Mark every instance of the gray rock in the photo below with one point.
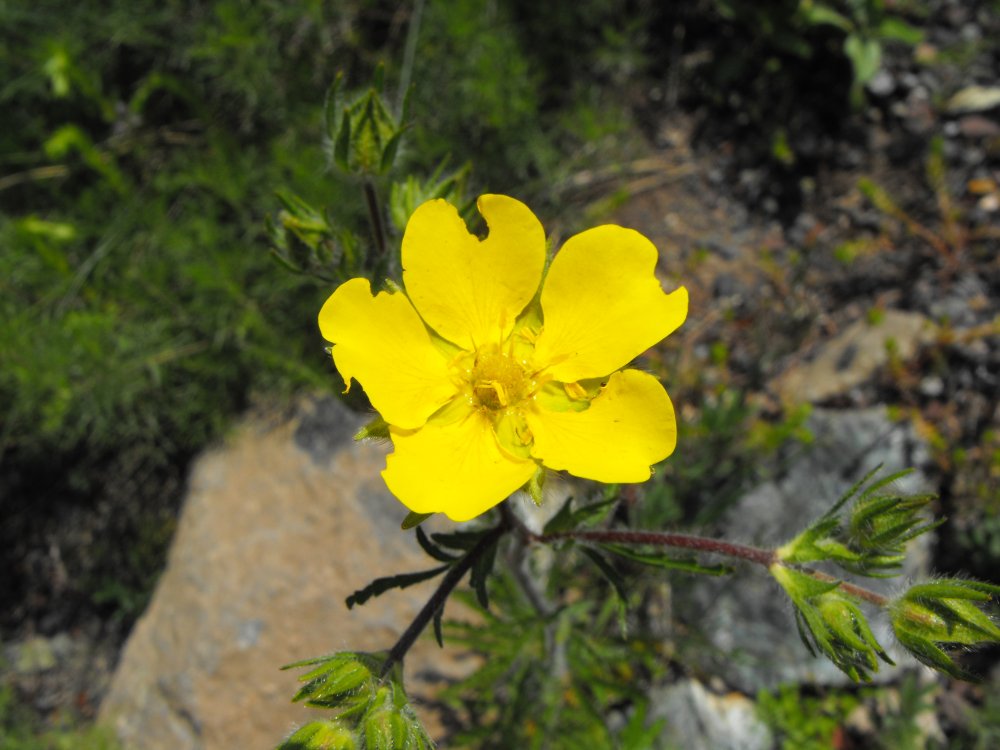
(854, 355)
(746, 621)
(697, 719)
(280, 525)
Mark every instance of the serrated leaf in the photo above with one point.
(380, 585)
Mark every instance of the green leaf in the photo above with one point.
(567, 519)
(613, 576)
(617, 583)
(481, 570)
(380, 585)
(662, 560)
(817, 14)
(460, 540)
(432, 549)
(899, 30)
(438, 636)
(330, 107)
(865, 55)
(321, 735)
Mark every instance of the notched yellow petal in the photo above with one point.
(382, 343)
(453, 467)
(627, 428)
(602, 305)
(471, 292)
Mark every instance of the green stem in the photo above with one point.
(378, 227)
(440, 596)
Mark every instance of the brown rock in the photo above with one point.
(280, 525)
(854, 356)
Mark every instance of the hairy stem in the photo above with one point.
(765, 557)
(438, 598)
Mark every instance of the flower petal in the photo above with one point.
(382, 343)
(628, 427)
(602, 305)
(470, 292)
(453, 466)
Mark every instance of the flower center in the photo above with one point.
(498, 381)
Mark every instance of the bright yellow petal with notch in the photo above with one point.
(602, 305)
(382, 343)
(454, 467)
(629, 427)
(470, 292)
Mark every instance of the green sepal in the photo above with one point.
(321, 735)
(831, 623)
(378, 429)
(870, 537)
(536, 485)
(932, 619)
(412, 520)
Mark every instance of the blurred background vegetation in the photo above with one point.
(141, 149)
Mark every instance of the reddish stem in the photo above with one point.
(765, 557)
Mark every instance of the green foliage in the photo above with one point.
(871, 538)
(550, 677)
(805, 722)
(831, 623)
(369, 710)
(799, 717)
(947, 615)
(140, 150)
(19, 730)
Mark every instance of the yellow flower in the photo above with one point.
(483, 380)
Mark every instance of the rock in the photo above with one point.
(699, 720)
(977, 126)
(746, 621)
(853, 356)
(973, 99)
(279, 526)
